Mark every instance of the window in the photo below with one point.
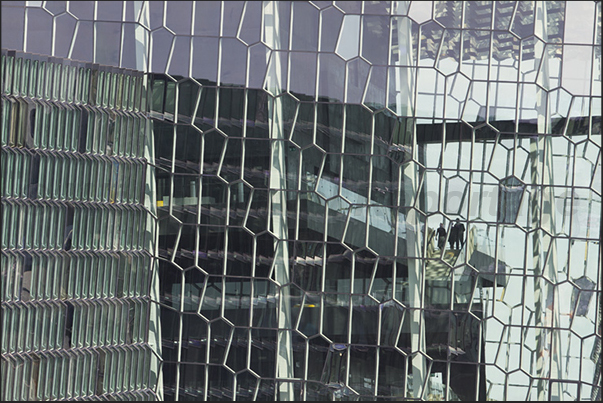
(509, 199)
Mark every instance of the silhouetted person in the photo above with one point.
(458, 232)
(452, 237)
(441, 237)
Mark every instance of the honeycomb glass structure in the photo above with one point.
(301, 200)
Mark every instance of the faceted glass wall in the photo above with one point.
(306, 153)
(76, 261)
(311, 160)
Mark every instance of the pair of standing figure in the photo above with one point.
(456, 238)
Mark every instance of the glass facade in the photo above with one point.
(309, 200)
(76, 234)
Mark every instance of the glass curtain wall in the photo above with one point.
(76, 255)
(307, 152)
(364, 200)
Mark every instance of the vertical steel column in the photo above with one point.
(404, 105)
(152, 236)
(542, 210)
(278, 201)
